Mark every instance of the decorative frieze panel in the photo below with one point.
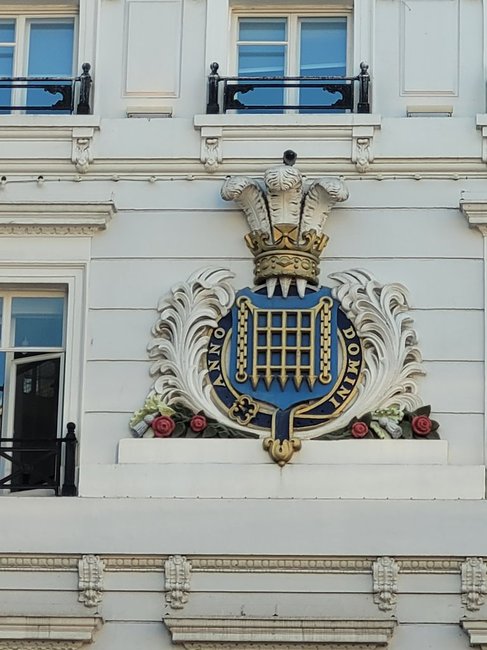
(90, 585)
(177, 571)
(474, 583)
(385, 571)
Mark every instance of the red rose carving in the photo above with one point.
(359, 429)
(198, 423)
(421, 425)
(163, 426)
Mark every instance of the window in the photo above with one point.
(32, 352)
(36, 47)
(291, 46)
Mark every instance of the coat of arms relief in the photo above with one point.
(286, 360)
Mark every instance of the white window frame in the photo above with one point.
(24, 16)
(293, 34)
(47, 279)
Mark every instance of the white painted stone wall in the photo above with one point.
(321, 522)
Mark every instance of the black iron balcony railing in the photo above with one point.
(75, 94)
(343, 88)
(40, 464)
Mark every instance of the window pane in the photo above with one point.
(7, 35)
(262, 61)
(36, 419)
(51, 49)
(323, 47)
(37, 322)
(50, 55)
(7, 31)
(323, 52)
(262, 29)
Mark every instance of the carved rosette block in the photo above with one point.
(90, 571)
(385, 571)
(177, 572)
(474, 583)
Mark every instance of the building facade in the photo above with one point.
(111, 213)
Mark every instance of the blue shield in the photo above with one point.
(284, 351)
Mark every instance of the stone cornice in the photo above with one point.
(51, 127)
(55, 218)
(477, 633)
(475, 211)
(226, 632)
(47, 632)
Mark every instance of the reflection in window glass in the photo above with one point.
(37, 322)
(262, 29)
(323, 53)
(7, 31)
(50, 55)
(7, 39)
(260, 56)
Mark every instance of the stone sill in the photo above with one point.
(314, 452)
(335, 120)
(49, 121)
(241, 469)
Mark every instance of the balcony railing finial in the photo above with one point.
(84, 90)
(363, 105)
(212, 107)
(69, 488)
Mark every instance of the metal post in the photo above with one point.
(213, 107)
(84, 91)
(69, 488)
(364, 80)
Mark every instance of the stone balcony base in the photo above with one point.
(349, 469)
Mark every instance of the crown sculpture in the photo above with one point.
(286, 223)
(286, 360)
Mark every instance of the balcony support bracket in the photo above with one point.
(211, 148)
(362, 147)
(82, 151)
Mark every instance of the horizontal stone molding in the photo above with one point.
(477, 633)
(199, 633)
(234, 564)
(216, 129)
(47, 631)
(44, 127)
(40, 645)
(55, 218)
(475, 211)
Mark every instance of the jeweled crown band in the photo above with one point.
(285, 255)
